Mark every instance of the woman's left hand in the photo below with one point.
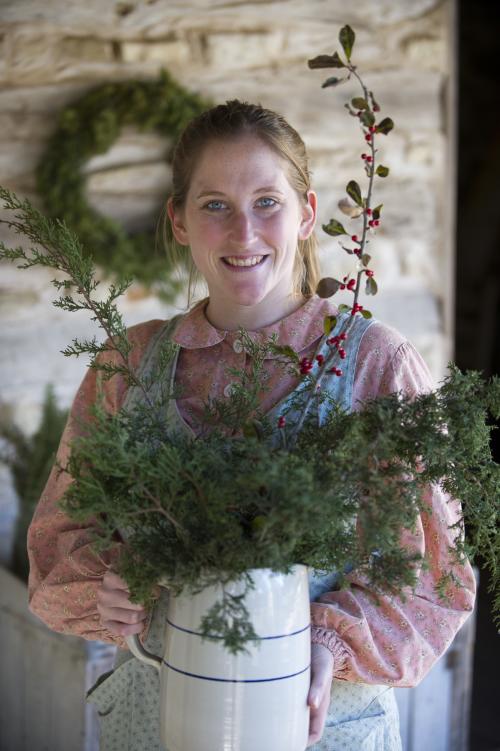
(318, 698)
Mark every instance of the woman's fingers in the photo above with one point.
(113, 581)
(317, 719)
(118, 614)
(122, 629)
(318, 698)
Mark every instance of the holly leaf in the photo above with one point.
(343, 308)
(333, 228)
(347, 208)
(285, 349)
(354, 191)
(382, 171)
(371, 286)
(359, 103)
(346, 38)
(376, 211)
(333, 81)
(366, 314)
(367, 118)
(385, 126)
(329, 324)
(365, 259)
(326, 61)
(327, 287)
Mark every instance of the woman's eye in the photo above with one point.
(269, 206)
(209, 205)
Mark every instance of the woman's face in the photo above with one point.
(241, 209)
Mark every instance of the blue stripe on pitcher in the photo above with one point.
(236, 680)
(259, 638)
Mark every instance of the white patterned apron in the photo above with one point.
(361, 717)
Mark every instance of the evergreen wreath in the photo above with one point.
(90, 126)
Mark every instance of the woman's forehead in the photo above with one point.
(244, 160)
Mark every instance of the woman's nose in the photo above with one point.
(242, 229)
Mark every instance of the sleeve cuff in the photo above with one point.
(334, 644)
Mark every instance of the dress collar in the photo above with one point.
(298, 330)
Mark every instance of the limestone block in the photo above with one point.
(131, 147)
(18, 162)
(136, 212)
(157, 19)
(40, 100)
(167, 53)
(84, 49)
(425, 52)
(3, 54)
(133, 179)
(303, 42)
(412, 99)
(31, 56)
(243, 50)
(15, 127)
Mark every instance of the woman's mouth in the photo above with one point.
(246, 263)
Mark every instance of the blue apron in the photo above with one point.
(361, 717)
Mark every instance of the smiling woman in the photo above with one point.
(243, 204)
(244, 244)
(264, 207)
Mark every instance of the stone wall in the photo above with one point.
(52, 52)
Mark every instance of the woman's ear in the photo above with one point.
(177, 222)
(308, 216)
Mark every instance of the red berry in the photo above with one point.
(368, 272)
(363, 156)
(354, 238)
(352, 284)
(342, 286)
(342, 352)
(376, 108)
(376, 222)
(281, 422)
(357, 251)
(369, 159)
(369, 212)
(372, 129)
(338, 372)
(359, 113)
(320, 359)
(371, 223)
(368, 137)
(342, 337)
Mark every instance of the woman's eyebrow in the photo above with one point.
(272, 188)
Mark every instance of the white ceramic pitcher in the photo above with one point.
(212, 700)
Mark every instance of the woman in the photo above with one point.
(242, 202)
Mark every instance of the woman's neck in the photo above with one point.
(229, 317)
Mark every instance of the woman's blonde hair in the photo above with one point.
(229, 121)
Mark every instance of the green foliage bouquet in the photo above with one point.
(249, 494)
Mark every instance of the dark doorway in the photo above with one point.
(477, 337)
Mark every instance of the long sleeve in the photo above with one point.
(397, 642)
(65, 571)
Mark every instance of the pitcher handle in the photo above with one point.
(141, 653)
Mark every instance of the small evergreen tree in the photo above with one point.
(30, 459)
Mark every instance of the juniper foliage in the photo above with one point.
(200, 511)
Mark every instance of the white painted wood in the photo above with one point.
(42, 679)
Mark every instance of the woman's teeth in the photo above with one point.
(253, 261)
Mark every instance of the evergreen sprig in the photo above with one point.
(202, 511)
